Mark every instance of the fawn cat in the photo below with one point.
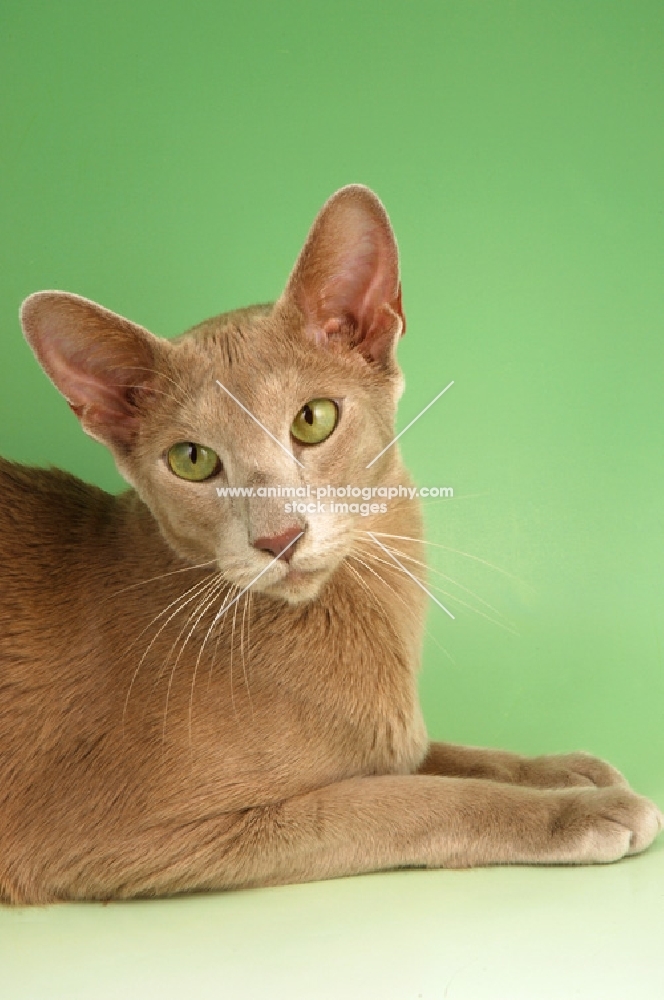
(207, 691)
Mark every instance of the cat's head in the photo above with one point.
(272, 398)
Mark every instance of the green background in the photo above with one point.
(167, 159)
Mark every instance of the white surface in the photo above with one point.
(493, 934)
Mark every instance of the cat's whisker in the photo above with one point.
(378, 604)
(372, 556)
(231, 588)
(210, 601)
(460, 552)
(220, 617)
(251, 602)
(386, 584)
(199, 597)
(242, 621)
(482, 614)
(192, 590)
(195, 671)
(233, 603)
(153, 579)
(244, 665)
(432, 569)
(230, 664)
(230, 659)
(376, 574)
(446, 593)
(408, 573)
(212, 589)
(428, 631)
(198, 588)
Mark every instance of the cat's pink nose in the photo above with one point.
(279, 545)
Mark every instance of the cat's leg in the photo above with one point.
(362, 825)
(350, 827)
(548, 771)
(390, 821)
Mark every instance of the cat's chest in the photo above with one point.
(281, 703)
(287, 709)
(339, 689)
(358, 716)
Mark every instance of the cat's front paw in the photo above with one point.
(602, 824)
(566, 770)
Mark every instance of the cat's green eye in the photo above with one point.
(193, 461)
(315, 421)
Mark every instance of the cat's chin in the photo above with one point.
(298, 585)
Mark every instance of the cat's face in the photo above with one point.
(284, 399)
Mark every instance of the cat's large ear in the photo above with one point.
(102, 364)
(346, 280)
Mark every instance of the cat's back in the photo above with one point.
(53, 529)
(66, 547)
(43, 514)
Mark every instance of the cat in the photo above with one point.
(203, 692)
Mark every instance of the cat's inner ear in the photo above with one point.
(346, 280)
(102, 363)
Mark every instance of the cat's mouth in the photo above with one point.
(297, 581)
(298, 584)
(294, 585)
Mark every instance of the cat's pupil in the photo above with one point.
(308, 415)
(193, 454)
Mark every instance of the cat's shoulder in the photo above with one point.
(23, 487)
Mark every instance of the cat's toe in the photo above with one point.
(569, 770)
(598, 771)
(605, 824)
(647, 826)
